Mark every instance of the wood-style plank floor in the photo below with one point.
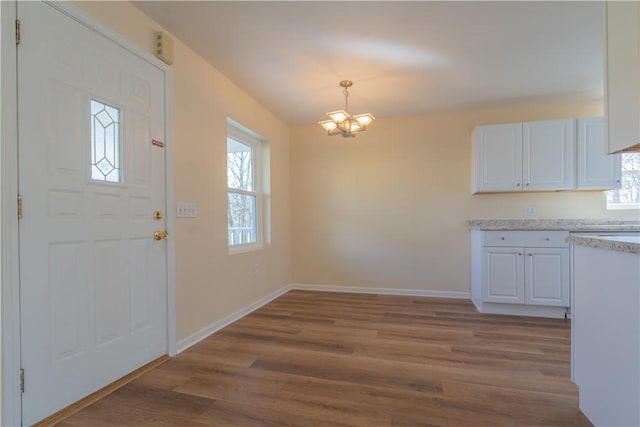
(337, 359)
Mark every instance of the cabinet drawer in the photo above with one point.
(534, 239)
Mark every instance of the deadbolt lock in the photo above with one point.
(157, 214)
(161, 235)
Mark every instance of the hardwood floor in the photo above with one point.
(337, 359)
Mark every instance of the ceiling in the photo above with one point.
(405, 58)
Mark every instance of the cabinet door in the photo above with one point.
(547, 276)
(548, 155)
(498, 158)
(597, 170)
(622, 75)
(503, 275)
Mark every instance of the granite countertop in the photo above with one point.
(622, 242)
(554, 224)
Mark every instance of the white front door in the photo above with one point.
(93, 284)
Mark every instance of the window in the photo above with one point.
(105, 142)
(244, 192)
(628, 196)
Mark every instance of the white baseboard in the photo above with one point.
(203, 333)
(382, 291)
(522, 310)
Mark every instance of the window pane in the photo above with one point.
(239, 165)
(105, 142)
(629, 192)
(242, 218)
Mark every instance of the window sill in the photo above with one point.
(250, 247)
(622, 206)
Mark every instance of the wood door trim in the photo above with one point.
(103, 392)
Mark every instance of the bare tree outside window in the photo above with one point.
(629, 193)
(242, 197)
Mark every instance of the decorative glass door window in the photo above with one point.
(106, 142)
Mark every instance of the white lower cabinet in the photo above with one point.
(503, 275)
(546, 280)
(521, 272)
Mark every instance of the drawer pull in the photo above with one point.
(502, 238)
(519, 253)
(547, 239)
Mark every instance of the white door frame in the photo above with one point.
(10, 344)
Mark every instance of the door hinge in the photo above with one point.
(17, 31)
(21, 380)
(19, 206)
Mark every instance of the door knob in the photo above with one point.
(161, 235)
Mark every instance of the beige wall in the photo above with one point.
(389, 209)
(211, 283)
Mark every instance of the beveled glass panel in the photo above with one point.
(106, 142)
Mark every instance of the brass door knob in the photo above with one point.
(161, 235)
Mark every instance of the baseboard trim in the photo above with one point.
(382, 291)
(522, 310)
(236, 315)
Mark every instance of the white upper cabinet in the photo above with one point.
(548, 155)
(597, 170)
(498, 158)
(622, 75)
(531, 156)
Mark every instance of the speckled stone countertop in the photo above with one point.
(554, 224)
(623, 243)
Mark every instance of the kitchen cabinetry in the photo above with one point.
(549, 155)
(597, 170)
(606, 335)
(521, 272)
(498, 157)
(530, 156)
(622, 75)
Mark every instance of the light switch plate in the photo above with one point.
(186, 210)
(530, 211)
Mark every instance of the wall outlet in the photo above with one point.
(530, 211)
(186, 210)
(257, 269)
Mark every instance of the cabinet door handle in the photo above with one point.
(519, 253)
(518, 184)
(502, 238)
(547, 239)
(530, 255)
(527, 184)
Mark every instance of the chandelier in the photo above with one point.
(343, 123)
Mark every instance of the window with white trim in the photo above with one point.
(244, 189)
(628, 195)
